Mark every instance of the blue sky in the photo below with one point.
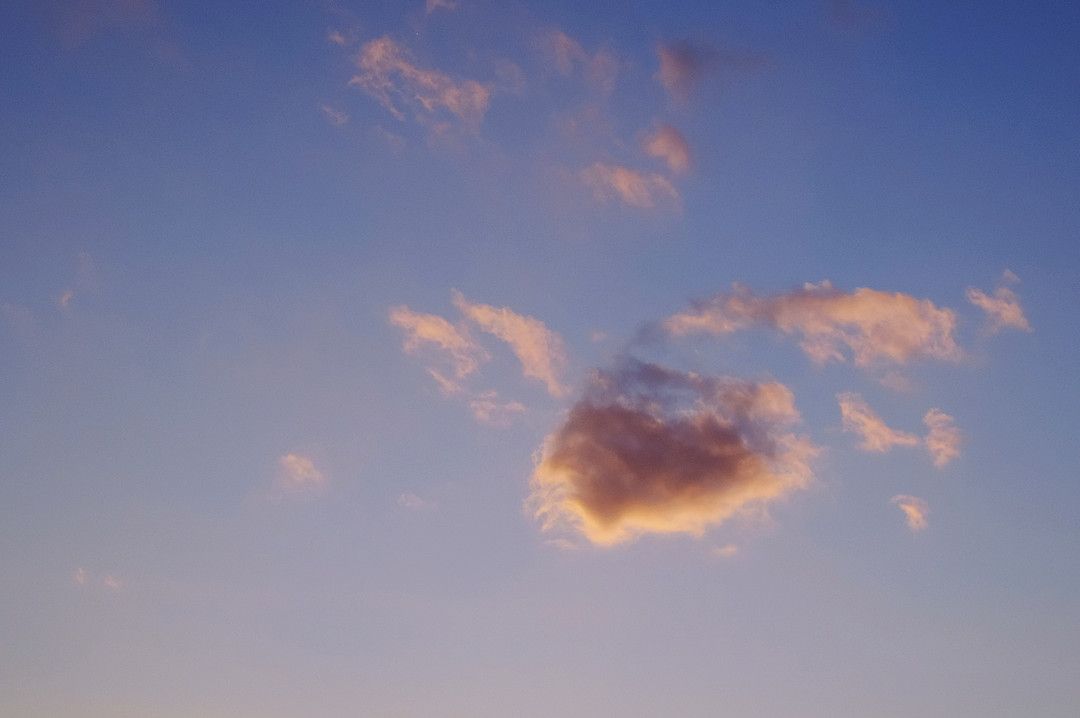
(478, 359)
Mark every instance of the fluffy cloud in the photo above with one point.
(429, 330)
(875, 435)
(653, 450)
(875, 326)
(539, 349)
(638, 189)
(388, 74)
(944, 440)
(915, 510)
(668, 144)
(1002, 309)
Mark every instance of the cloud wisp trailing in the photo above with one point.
(645, 190)
(1002, 309)
(875, 327)
(388, 74)
(539, 349)
(874, 434)
(649, 449)
(915, 511)
(453, 343)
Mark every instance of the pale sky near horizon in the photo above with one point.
(473, 359)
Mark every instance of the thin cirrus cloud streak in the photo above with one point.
(874, 326)
(388, 74)
(942, 442)
(915, 511)
(540, 350)
(651, 450)
(645, 190)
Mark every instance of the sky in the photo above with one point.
(470, 359)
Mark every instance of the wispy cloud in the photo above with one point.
(487, 409)
(413, 502)
(726, 551)
(539, 349)
(877, 327)
(599, 70)
(298, 473)
(944, 440)
(388, 74)
(874, 433)
(915, 510)
(637, 189)
(683, 64)
(653, 450)
(1002, 309)
(433, 5)
(431, 331)
(668, 144)
(336, 117)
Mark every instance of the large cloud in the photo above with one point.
(654, 450)
(388, 74)
(877, 327)
(539, 349)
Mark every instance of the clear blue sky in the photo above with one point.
(479, 359)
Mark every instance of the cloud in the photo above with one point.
(415, 503)
(875, 435)
(433, 5)
(726, 551)
(877, 327)
(64, 300)
(539, 349)
(1002, 309)
(429, 330)
(683, 64)
(80, 577)
(388, 75)
(299, 473)
(914, 509)
(637, 189)
(653, 450)
(113, 584)
(600, 71)
(668, 144)
(944, 440)
(486, 409)
(336, 117)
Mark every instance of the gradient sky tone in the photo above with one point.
(473, 359)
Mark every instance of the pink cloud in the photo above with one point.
(875, 434)
(944, 439)
(876, 327)
(668, 144)
(637, 189)
(653, 450)
(388, 74)
(915, 511)
(429, 330)
(539, 349)
(299, 473)
(1002, 309)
